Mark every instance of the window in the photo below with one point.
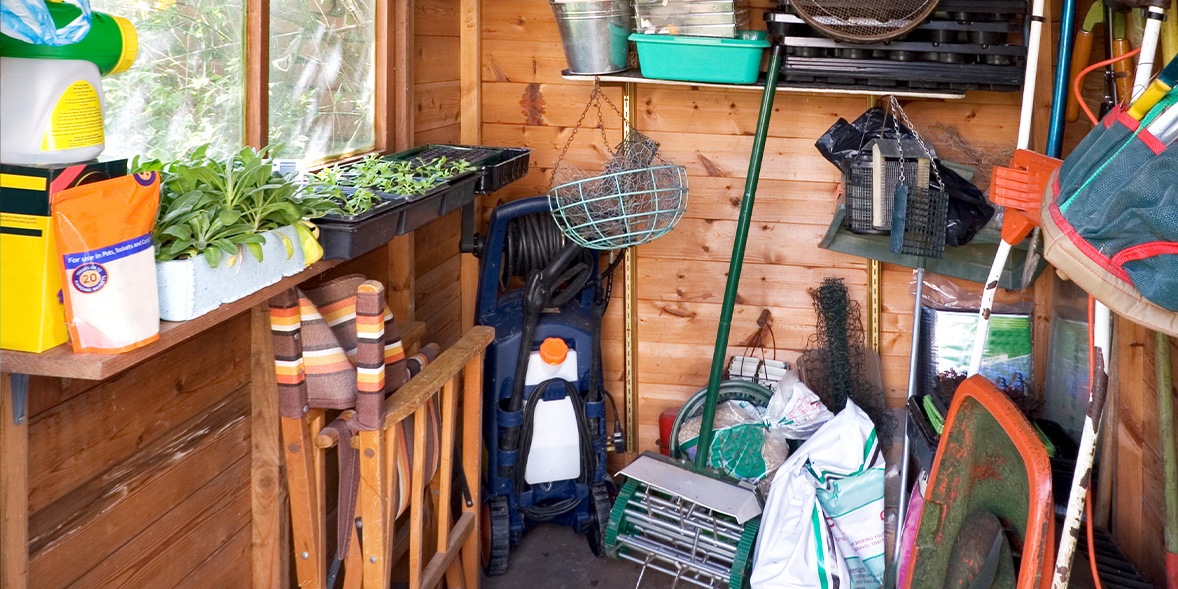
(322, 76)
(188, 84)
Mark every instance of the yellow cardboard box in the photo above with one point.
(32, 315)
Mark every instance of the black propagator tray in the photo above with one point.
(418, 213)
(343, 240)
(964, 45)
(500, 166)
(376, 209)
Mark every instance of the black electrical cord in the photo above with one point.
(588, 456)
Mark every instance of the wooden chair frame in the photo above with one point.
(456, 372)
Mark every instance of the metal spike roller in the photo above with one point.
(684, 519)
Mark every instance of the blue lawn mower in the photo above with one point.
(543, 403)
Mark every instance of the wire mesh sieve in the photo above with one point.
(864, 21)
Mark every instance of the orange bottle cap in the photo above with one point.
(553, 351)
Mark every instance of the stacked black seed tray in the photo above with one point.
(965, 45)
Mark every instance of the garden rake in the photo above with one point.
(687, 519)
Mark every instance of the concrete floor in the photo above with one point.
(554, 557)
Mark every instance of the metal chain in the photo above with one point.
(895, 106)
(594, 101)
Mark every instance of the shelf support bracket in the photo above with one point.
(20, 397)
(630, 310)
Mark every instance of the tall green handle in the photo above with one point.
(703, 449)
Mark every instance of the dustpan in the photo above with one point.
(685, 519)
(989, 460)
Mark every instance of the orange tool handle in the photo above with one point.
(1123, 71)
(1080, 58)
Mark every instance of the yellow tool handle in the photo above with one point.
(1080, 58)
(1152, 95)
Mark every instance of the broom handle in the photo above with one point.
(1101, 326)
(1165, 386)
(742, 233)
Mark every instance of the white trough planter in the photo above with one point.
(190, 288)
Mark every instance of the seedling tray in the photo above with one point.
(376, 209)
(420, 212)
(344, 240)
(499, 166)
(346, 237)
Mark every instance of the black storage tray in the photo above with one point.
(346, 240)
(384, 206)
(343, 240)
(512, 165)
(419, 213)
(499, 166)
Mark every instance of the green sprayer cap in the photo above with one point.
(111, 43)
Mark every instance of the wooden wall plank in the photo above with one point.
(268, 552)
(168, 543)
(436, 59)
(81, 438)
(227, 567)
(14, 488)
(76, 532)
(436, 106)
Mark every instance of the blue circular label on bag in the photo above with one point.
(90, 277)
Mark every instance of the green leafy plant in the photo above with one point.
(221, 206)
(374, 173)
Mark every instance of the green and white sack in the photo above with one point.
(822, 525)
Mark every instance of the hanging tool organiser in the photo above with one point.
(964, 45)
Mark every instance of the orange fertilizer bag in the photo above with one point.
(103, 233)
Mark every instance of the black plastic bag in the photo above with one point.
(842, 144)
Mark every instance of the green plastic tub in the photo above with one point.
(701, 59)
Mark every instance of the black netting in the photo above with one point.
(838, 347)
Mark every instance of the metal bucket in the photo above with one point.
(594, 34)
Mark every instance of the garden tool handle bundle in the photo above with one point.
(734, 266)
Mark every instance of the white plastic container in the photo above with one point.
(190, 288)
(50, 111)
(555, 453)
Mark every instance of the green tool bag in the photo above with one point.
(1110, 219)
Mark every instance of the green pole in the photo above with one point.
(742, 233)
(1165, 387)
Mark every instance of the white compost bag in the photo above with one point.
(794, 410)
(823, 522)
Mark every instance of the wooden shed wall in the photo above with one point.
(525, 101)
(143, 480)
(435, 75)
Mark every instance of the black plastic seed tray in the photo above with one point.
(343, 240)
(964, 45)
(512, 165)
(500, 166)
(418, 213)
(380, 207)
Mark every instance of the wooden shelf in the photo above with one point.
(64, 363)
(634, 76)
(970, 262)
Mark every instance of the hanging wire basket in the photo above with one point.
(621, 209)
(636, 198)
